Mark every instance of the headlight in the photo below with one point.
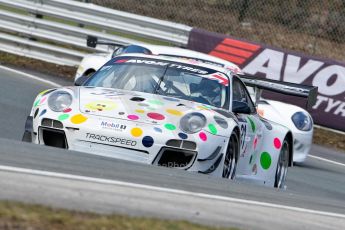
(59, 100)
(192, 122)
(302, 121)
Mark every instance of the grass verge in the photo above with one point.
(37, 65)
(329, 139)
(321, 136)
(14, 215)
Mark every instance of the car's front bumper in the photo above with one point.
(302, 145)
(168, 149)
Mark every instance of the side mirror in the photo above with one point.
(80, 81)
(240, 107)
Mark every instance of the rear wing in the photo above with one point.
(287, 88)
(92, 41)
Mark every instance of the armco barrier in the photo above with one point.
(56, 30)
(278, 64)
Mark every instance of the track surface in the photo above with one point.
(316, 185)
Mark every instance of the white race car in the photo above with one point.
(169, 112)
(298, 120)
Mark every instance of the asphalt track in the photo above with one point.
(314, 198)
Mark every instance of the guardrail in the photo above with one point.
(56, 30)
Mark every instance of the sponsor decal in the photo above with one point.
(277, 64)
(113, 126)
(111, 140)
(148, 62)
(171, 65)
(191, 69)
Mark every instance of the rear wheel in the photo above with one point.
(231, 155)
(282, 165)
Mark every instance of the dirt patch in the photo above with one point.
(329, 139)
(37, 65)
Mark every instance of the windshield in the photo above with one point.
(166, 78)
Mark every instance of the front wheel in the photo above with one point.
(231, 156)
(282, 165)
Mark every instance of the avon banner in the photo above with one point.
(278, 64)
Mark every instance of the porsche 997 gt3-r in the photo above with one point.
(169, 112)
(298, 120)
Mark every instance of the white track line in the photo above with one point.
(168, 190)
(326, 160)
(30, 76)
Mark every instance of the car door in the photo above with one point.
(249, 125)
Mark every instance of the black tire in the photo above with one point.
(282, 165)
(231, 157)
(27, 137)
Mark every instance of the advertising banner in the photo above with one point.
(278, 64)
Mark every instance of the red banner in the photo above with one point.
(278, 64)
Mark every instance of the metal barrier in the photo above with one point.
(56, 30)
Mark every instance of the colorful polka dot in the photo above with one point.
(255, 142)
(202, 107)
(255, 169)
(212, 129)
(43, 100)
(143, 104)
(139, 99)
(78, 119)
(36, 113)
(170, 126)
(156, 116)
(156, 102)
(36, 102)
(159, 130)
(43, 112)
(221, 122)
(147, 141)
(140, 111)
(136, 132)
(67, 110)
(265, 160)
(250, 159)
(174, 112)
(252, 124)
(183, 136)
(44, 91)
(133, 117)
(63, 117)
(203, 136)
(277, 143)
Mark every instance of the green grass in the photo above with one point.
(14, 215)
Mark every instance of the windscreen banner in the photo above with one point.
(278, 64)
